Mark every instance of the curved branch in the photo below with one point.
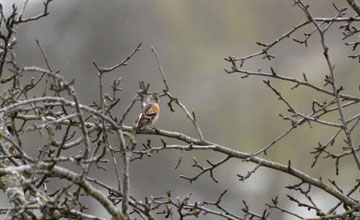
(51, 170)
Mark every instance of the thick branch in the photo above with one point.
(355, 5)
(51, 170)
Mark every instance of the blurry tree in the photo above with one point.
(48, 104)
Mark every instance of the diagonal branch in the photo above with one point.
(355, 5)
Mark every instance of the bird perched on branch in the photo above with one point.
(149, 114)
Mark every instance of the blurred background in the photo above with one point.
(192, 38)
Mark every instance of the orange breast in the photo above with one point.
(155, 108)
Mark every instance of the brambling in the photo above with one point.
(150, 113)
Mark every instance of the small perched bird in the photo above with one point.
(150, 113)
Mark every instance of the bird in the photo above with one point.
(149, 114)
